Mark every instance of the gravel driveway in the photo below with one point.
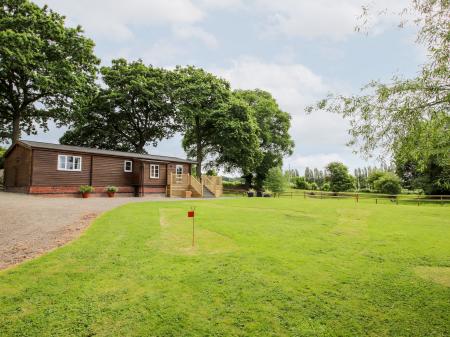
(32, 225)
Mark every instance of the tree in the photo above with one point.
(314, 186)
(45, 68)
(339, 178)
(309, 175)
(373, 177)
(273, 133)
(301, 183)
(235, 142)
(389, 116)
(388, 183)
(275, 181)
(326, 187)
(133, 109)
(199, 95)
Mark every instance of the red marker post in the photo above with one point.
(191, 214)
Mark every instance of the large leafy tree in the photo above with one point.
(200, 97)
(133, 109)
(236, 142)
(339, 178)
(45, 67)
(407, 117)
(275, 141)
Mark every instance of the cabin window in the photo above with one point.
(179, 169)
(128, 166)
(154, 171)
(69, 163)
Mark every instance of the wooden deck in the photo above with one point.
(179, 184)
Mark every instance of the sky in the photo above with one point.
(298, 50)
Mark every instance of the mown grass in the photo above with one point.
(261, 267)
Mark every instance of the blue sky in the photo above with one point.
(299, 50)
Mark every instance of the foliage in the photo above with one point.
(326, 187)
(374, 176)
(339, 178)
(406, 117)
(86, 189)
(236, 142)
(275, 181)
(133, 108)
(314, 186)
(432, 175)
(248, 254)
(388, 183)
(112, 189)
(273, 133)
(211, 172)
(2, 158)
(301, 183)
(199, 97)
(46, 68)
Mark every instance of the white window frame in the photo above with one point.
(153, 171)
(125, 166)
(66, 162)
(176, 169)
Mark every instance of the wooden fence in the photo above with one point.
(375, 197)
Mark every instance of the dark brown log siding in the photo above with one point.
(18, 167)
(162, 181)
(46, 173)
(172, 168)
(110, 171)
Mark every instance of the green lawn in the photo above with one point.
(261, 267)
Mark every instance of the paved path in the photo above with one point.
(32, 225)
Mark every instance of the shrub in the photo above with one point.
(86, 189)
(211, 172)
(388, 183)
(301, 183)
(340, 179)
(314, 186)
(326, 187)
(374, 176)
(112, 189)
(275, 180)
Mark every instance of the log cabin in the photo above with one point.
(44, 168)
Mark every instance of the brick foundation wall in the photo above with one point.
(99, 190)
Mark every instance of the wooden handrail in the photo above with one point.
(213, 184)
(196, 185)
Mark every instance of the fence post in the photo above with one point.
(357, 197)
(291, 194)
(304, 194)
(396, 199)
(376, 201)
(442, 201)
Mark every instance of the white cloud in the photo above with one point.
(292, 84)
(114, 19)
(189, 32)
(331, 19)
(221, 4)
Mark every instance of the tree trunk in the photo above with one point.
(248, 180)
(199, 148)
(140, 147)
(16, 132)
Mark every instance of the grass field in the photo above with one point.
(261, 267)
